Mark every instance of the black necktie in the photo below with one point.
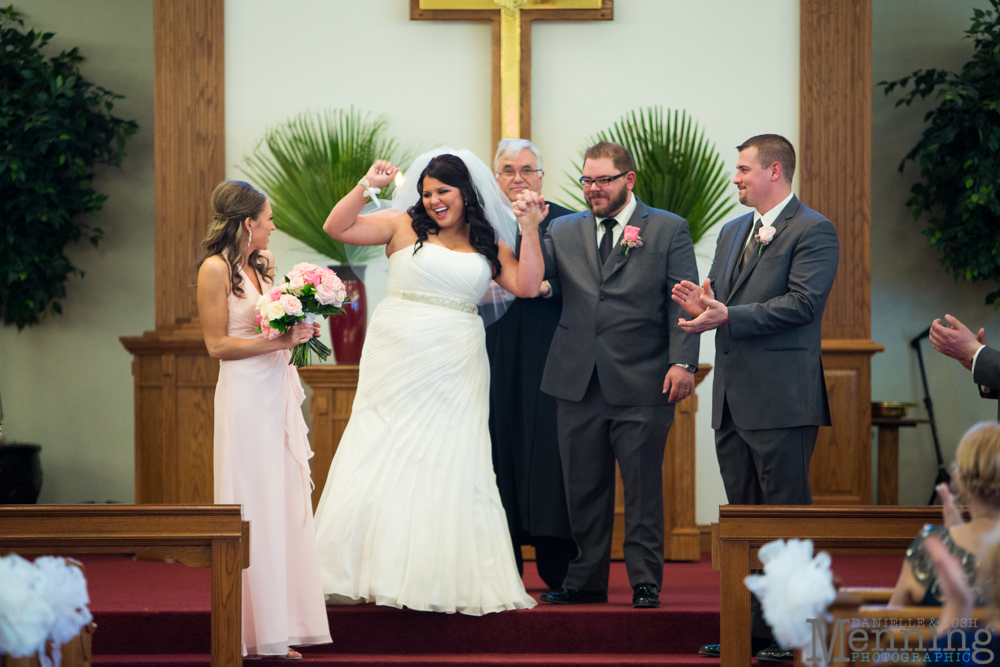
(751, 244)
(608, 240)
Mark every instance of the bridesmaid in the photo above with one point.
(261, 449)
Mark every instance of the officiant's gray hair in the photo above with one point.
(511, 147)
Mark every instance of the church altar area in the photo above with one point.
(153, 613)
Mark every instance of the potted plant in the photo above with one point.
(305, 166)
(20, 470)
(959, 156)
(676, 168)
(54, 127)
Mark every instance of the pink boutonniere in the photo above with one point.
(631, 238)
(763, 238)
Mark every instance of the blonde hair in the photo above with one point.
(977, 463)
(233, 202)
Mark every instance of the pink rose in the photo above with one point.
(330, 279)
(765, 234)
(291, 305)
(329, 295)
(274, 293)
(313, 278)
(260, 319)
(268, 331)
(631, 234)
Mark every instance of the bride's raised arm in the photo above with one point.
(522, 276)
(345, 222)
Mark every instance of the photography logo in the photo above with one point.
(895, 640)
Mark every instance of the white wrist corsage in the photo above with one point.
(370, 192)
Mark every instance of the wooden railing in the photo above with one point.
(212, 536)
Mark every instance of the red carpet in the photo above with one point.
(158, 614)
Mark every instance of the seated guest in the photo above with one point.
(976, 477)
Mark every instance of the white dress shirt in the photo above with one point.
(621, 219)
(768, 218)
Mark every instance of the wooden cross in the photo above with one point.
(511, 21)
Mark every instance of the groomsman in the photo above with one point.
(617, 365)
(765, 294)
(522, 418)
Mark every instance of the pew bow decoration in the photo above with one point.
(794, 588)
(41, 602)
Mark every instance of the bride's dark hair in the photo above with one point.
(450, 170)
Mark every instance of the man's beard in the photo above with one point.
(614, 204)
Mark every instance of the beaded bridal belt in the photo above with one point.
(443, 301)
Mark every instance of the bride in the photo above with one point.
(410, 515)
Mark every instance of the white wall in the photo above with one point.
(432, 79)
(67, 383)
(909, 286)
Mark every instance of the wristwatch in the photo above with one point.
(690, 368)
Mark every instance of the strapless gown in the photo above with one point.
(262, 462)
(410, 515)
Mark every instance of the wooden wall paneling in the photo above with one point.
(333, 390)
(834, 176)
(189, 148)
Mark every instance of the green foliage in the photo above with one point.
(959, 156)
(54, 127)
(676, 168)
(310, 163)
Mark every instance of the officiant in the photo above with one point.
(522, 418)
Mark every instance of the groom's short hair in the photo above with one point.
(619, 155)
(773, 148)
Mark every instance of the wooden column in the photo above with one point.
(174, 376)
(834, 170)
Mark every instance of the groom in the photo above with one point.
(617, 364)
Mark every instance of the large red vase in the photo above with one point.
(348, 328)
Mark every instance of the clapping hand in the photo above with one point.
(956, 341)
(688, 295)
(381, 174)
(530, 208)
(951, 515)
(713, 313)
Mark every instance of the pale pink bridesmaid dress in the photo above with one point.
(262, 462)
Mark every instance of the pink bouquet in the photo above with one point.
(307, 292)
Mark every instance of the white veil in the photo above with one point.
(495, 205)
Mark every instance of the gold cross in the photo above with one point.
(511, 20)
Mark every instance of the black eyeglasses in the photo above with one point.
(526, 172)
(603, 181)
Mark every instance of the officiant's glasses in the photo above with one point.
(603, 181)
(526, 172)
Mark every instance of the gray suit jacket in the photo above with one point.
(986, 374)
(619, 317)
(768, 364)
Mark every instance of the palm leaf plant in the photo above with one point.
(676, 168)
(309, 163)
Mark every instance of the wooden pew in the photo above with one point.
(902, 629)
(212, 536)
(743, 529)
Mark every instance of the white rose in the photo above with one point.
(327, 295)
(275, 311)
(765, 234)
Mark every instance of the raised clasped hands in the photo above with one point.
(699, 303)
(381, 174)
(530, 209)
(956, 341)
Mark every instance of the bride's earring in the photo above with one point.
(250, 238)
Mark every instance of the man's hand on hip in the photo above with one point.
(956, 341)
(679, 383)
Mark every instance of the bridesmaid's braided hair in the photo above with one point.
(232, 203)
(450, 170)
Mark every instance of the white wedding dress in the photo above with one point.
(410, 515)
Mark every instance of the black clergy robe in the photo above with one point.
(523, 430)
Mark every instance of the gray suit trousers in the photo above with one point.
(592, 435)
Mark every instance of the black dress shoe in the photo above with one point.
(645, 596)
(711, 650)
(774, 653)
(573, 596)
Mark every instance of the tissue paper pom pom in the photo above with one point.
(25, 615)
(794, 588)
